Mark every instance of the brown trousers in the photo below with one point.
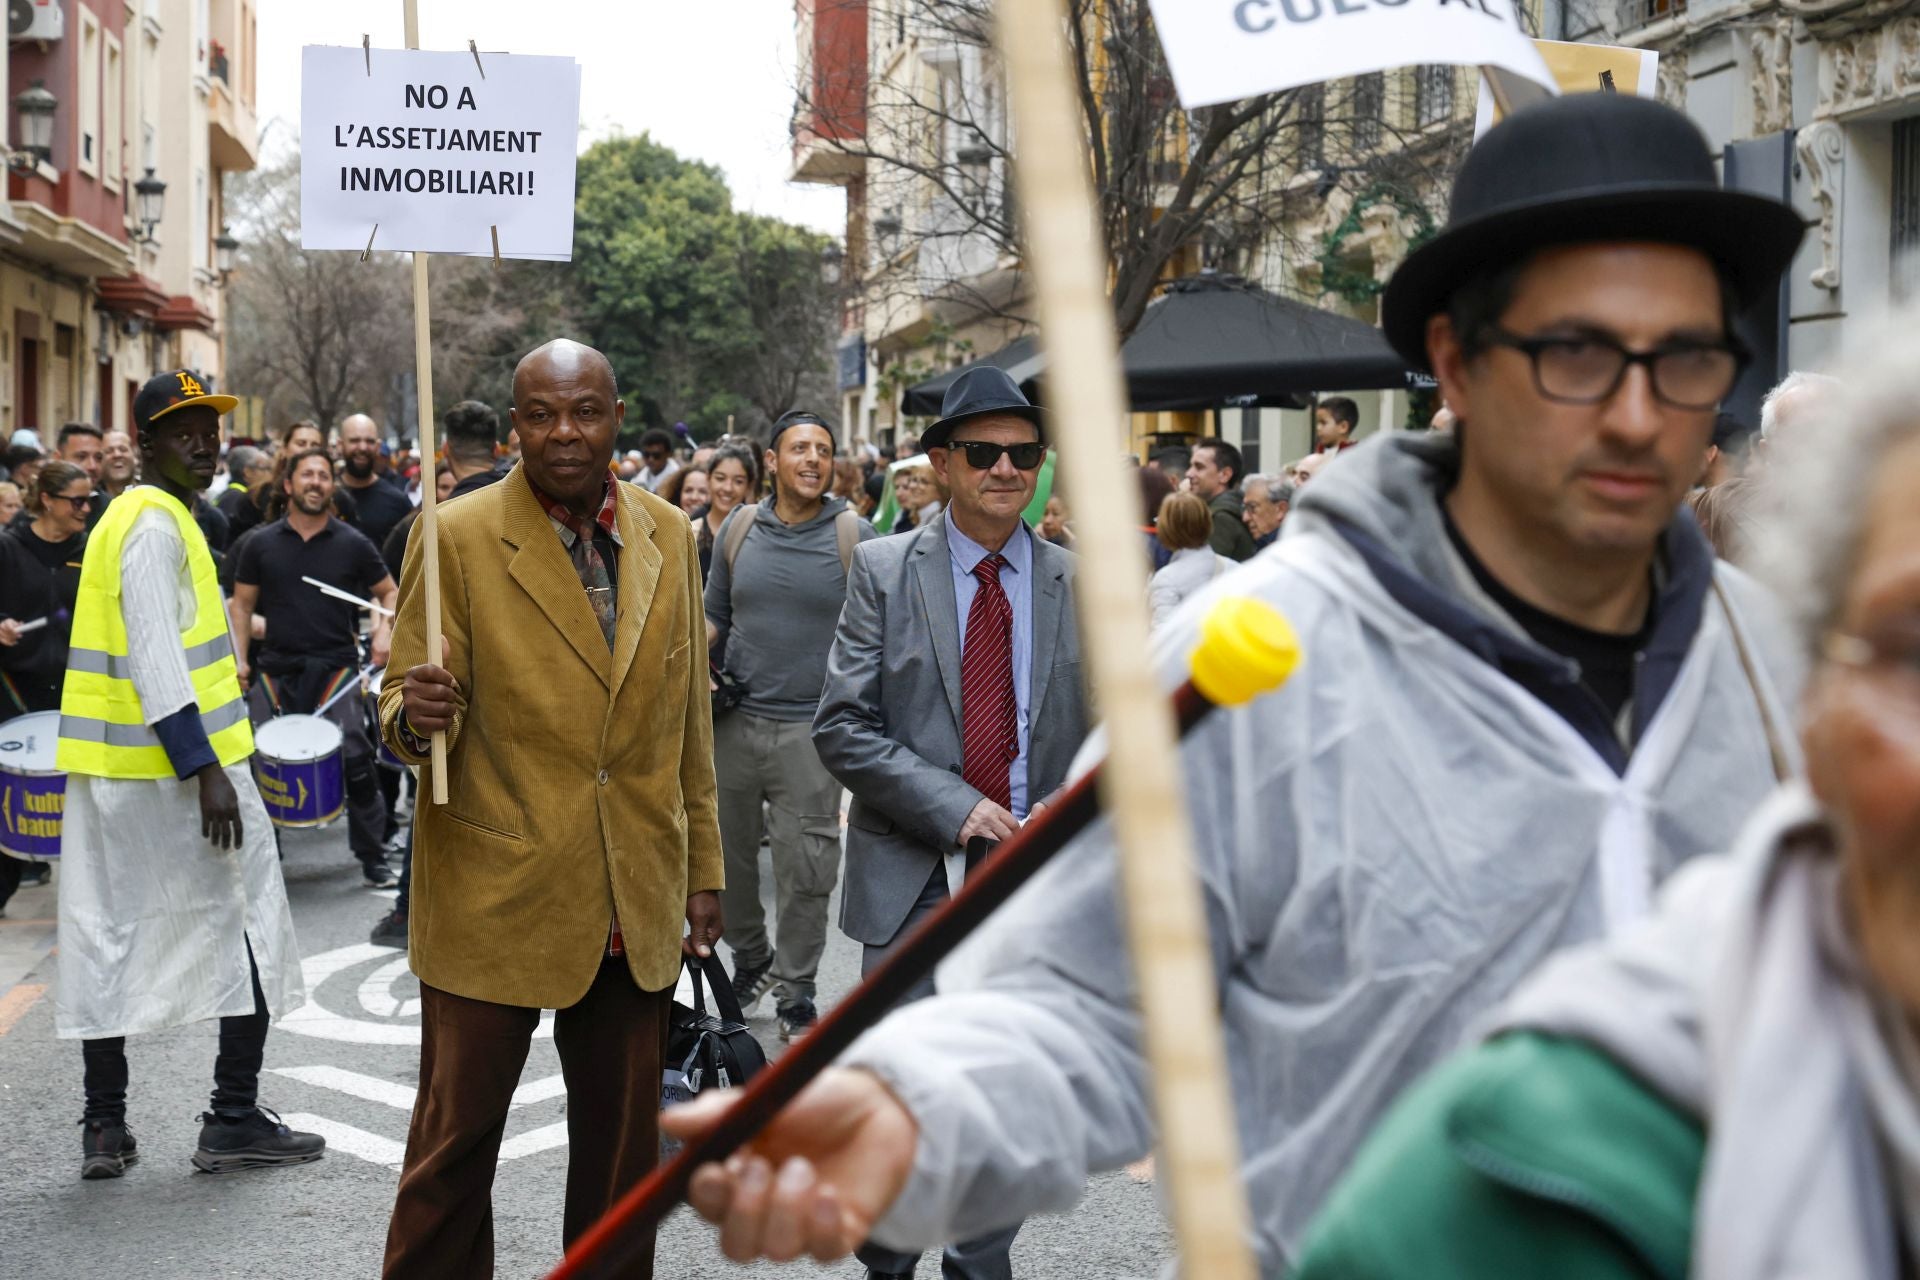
(471, 1054)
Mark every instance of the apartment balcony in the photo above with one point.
(67, 243)
(831, 117)
(824, 159)
(233, 133)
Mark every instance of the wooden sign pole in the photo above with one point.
(1140, 787)
(429, 526)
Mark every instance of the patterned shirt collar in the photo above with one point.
(571, 527)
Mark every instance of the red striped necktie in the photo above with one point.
(989, 713)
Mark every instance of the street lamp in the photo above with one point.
(149, 203)
(34, 108)
(887, 227)
(833, 260)
(224, 247)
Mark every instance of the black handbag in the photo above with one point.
(708, 1050)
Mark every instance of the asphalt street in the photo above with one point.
(346, 1065)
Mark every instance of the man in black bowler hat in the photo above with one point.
(1529, 695)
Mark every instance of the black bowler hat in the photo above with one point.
(180, 389)
(1582, 169)
(980, 391)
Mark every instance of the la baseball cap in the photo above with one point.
(180, 389)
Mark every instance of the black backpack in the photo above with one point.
(708, 1050)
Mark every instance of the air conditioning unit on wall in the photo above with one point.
(35, 20)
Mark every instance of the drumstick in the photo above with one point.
(356, 685)
(35, 625)
(1245, 649)
(348, 596)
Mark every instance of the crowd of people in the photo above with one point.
(1497, 997)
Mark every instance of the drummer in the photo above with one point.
(312, 645)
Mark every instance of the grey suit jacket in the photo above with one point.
(889, 721)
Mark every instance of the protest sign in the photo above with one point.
(1582, 68)
(1220, 50)
(438, 149)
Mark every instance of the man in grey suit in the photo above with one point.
(953, 704)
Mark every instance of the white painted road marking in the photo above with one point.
(534, 1141)
(312, 1018)
(401, 1096)
(344, 1138)
(375, 1149)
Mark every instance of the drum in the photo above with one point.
(303, 779)
(382, 753)
(33, 794)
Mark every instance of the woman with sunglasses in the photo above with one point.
(39, 577)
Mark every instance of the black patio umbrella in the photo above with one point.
(1214, 341)
(1021, 359)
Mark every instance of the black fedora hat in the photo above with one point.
(1582, 169)
(980, 391)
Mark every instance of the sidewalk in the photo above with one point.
(26, 936)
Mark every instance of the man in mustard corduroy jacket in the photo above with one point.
(580, 830)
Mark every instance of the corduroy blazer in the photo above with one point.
(580, 781)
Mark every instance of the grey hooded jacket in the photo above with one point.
(1386, 846)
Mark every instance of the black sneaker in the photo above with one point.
(797, 1018)
(391, 931)
(106, 1149)
(37, 873)
(379, 874)
(254, 1141)
(750, 982)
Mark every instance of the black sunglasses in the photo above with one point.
(983, 454)
(84, 500)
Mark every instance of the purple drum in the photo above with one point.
(297, 760)
(33, 794)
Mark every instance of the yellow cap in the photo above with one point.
(1246, 648)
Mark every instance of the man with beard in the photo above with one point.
(313, 639)
(1530, 695)
(119, 467)
(379, 504)
(774, 592)
(172, 910)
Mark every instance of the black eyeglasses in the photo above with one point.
(983, 454)
(1589, 368)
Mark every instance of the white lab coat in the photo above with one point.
(155, 921)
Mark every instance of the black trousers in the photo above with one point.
(236, 1068)
(984, 1258)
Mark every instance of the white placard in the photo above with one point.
(438, 149)
(1221, 50)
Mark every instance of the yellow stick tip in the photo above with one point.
(1247, 648)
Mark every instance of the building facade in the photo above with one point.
(1812, 101)
(109, 255)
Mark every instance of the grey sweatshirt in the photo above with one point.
(777, 614)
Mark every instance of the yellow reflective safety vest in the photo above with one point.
(104, 731)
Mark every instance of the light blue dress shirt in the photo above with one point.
(1017, 581)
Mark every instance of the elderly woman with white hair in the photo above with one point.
(1731, 1091)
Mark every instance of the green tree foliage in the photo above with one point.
(705, 312)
